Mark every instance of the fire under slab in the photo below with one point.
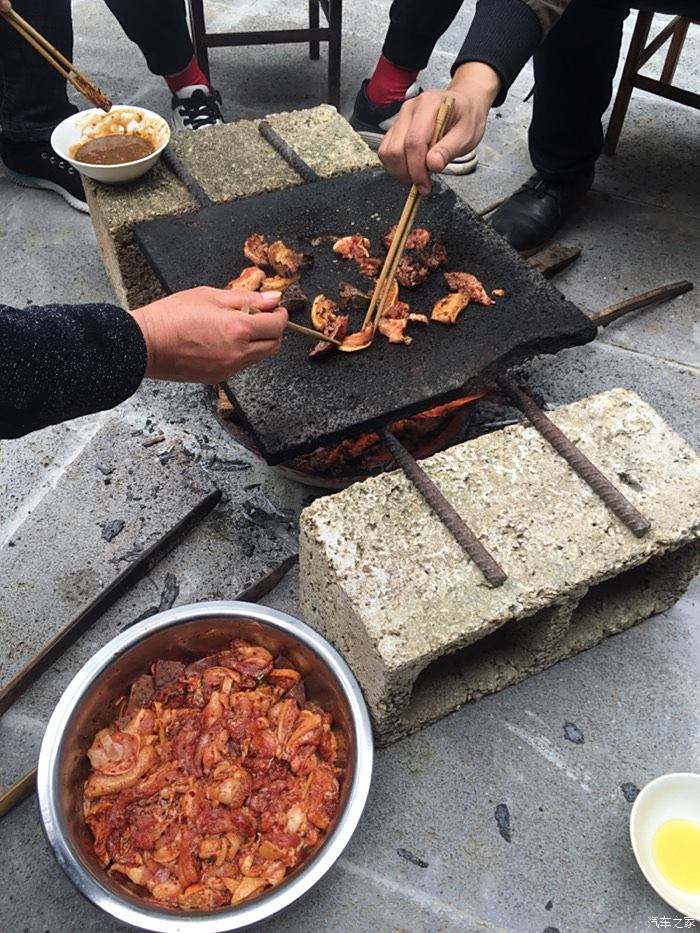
(388, 585)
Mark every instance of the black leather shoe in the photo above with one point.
(534, 213)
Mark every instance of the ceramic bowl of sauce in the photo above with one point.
(113, 147)
(665, 835)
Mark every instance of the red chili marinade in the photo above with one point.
(215, 780)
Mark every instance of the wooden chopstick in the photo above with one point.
(57, 60)
(18, 792)
(297, 328)
(403, 228)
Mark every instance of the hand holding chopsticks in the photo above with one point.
(58, 61)
(403, 228)
(298, 328)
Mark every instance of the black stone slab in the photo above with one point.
(292, 404)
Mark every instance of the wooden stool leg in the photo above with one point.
(674, 50)
(335, 22)
(624, 91)
(314, 22)
(199, 34)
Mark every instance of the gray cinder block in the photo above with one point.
(388, 585)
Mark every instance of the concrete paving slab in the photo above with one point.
(673, 391)
(112, 518)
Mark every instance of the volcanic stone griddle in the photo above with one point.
(292, 404)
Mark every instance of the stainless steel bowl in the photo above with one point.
(87, 705)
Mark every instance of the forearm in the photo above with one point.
(504, 35)
(60, 362)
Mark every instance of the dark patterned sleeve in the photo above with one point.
(58, 362)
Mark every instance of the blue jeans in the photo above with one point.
(33, 97)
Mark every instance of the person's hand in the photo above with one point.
(5, 6)
(201, 336)
(405, 150)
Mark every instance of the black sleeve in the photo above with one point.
(504, 34)
(59, 362)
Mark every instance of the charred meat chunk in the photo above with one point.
(337, 330)
(324, 311)
(468, 283)
(352, 247)
(418, 238)
(411, 271)
(294, 299)
(369, 266)
(393, 321)
(353, 299)
(277, 283)
(447, 309)
(255, 249)
(251, 277)
(360, 340)
(286, 261)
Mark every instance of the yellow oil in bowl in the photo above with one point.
(676, 851)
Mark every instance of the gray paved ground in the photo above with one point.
(567, 865)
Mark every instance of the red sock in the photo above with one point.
(193, 74)
(389, 82)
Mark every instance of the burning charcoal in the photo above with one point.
(294, 299)
(352, 299)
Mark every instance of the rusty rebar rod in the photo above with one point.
(618, 504)
(290, 156)
(460, 531)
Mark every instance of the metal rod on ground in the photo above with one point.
(618, 504)
(607, 315)
(145, 561)
(462, 533)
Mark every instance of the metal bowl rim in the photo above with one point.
(278, 899)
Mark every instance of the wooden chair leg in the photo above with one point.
(199, 34)
(674, 50)
(314, 22)
(335, 23)
(624, 91)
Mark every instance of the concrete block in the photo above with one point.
(230, 161)
(385, 581)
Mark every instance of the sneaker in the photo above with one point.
(195, 107)
(36, 165)
(372, 122)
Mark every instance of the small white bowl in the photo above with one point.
(669, 797)
(70, 131)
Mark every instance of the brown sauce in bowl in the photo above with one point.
(114, 149)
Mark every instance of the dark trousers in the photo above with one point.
(33, 97)
(574, 70)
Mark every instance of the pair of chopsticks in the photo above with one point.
(403, 228)
(297, 328)
(58, 61)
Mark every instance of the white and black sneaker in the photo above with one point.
(36, 165)
(373, 121)
(195, 107)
